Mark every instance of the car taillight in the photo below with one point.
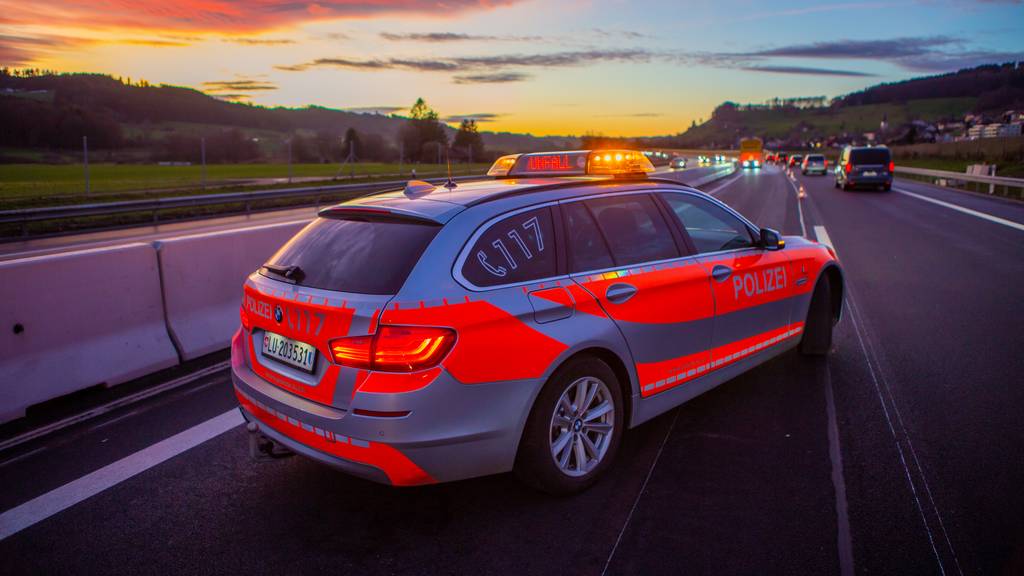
(892, 166)
(354, 351)
(395, 348)
(848, 168)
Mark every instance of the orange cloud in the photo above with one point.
(218, 16)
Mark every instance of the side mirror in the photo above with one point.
(771, 239)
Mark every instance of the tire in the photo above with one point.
(817, 338)
(836, 184)
(536, 463)
(887, 187)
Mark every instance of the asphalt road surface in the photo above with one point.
(902, 453)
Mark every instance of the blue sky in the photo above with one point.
(601, 66)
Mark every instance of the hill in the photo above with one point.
(995, 87)
(53, 112)
(990, 88)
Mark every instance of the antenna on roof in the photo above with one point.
(450, 184)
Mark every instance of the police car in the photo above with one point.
(520, 323)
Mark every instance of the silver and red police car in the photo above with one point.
(521, 323)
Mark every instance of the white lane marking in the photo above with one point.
(975, 213)
(643, 488)
(38, 509)
(844, 542)
(715, 190)
(799, 205)
(822, 236)
(875, 377)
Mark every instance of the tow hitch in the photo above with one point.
(262, 448)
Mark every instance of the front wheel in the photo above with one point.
(817, 338)
(574, 428)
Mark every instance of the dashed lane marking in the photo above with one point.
(822, 235)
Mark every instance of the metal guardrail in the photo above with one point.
(992, 181)
(720, 171)
(25, 216)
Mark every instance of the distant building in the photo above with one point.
(995, 130)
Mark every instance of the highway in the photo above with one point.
(901, 453)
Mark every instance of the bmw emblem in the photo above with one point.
(278, 314)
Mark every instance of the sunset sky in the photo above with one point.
(603, 66)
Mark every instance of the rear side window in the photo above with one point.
(711, 228)
(587, 248)
(634, 229)
(520, 248)
(355, 255)
(869, 156)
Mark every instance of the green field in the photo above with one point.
(39, 184)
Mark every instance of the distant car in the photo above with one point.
(865, 167)
(795, 160)
(678, 163)
(446, 332)
(703, 160)
(781, 158)
(814, 164)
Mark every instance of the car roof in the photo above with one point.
(440, 203)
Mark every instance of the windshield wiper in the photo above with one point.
(290, 273)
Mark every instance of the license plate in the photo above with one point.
(871, 173)
(288, 351)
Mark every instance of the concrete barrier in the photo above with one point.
(74, 320)
(202, 281)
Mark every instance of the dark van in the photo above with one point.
(865, 167)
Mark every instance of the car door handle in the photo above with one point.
(619, 292)
(721, 273)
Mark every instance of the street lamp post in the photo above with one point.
(289, 160)
(202, 155)
(85, 161)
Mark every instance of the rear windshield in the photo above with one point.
(815, 158)
(355, 255)
(869, 156)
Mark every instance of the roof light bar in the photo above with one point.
(502, 165)
(573, 163)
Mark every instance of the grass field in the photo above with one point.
(38, 184)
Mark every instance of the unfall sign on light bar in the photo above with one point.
(549, 163)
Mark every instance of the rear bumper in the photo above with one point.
(452, 430)
(869, 181)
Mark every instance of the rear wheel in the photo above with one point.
(887, 187)
(817, 338)
(574, 428)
